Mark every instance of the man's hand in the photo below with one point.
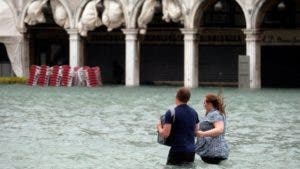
(163, 130)
(159, 126)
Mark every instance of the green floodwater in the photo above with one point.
(114, 127)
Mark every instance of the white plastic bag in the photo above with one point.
(34, 14)
(172, 10)
(113, 16)
(89, 19)
(148, 11)
(60, 14)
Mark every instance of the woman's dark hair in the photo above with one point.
(183, 94)
(216, 101)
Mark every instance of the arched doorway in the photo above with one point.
(48, 42)
(5, 66)
(106, 50)
(161, 52)
(103, 41)
(281, 45)
(221, 40)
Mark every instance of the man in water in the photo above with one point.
(181, 128)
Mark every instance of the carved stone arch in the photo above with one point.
(196, 13)
(132, 21)
(83, 4)
(126, 12)
(201, 6)
(24, 11)
(79, 11)
(259, 12)
(69, 12)
(246, 13)
(13, 10)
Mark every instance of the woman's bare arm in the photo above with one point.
(217, 130)
(196, 128)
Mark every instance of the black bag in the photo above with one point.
(166, 141)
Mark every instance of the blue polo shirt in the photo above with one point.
(183, 128)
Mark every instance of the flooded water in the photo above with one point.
(114, 127)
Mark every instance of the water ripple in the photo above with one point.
(114, 127)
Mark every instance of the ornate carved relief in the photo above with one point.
(146, 14)
(89, 19)
(172, 10)
(113, 16)
(34, 14)
(60, 14)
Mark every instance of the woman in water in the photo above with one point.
(211, 145)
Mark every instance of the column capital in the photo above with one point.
(252, 31)
(130, 34)
(189, 33)
(73, 34)
(130, 31)
(252, 34)
(72, 31)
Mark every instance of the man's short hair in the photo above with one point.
(183, 94)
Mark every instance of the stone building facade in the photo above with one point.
(193, 42)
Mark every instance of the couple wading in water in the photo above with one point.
(181, 126)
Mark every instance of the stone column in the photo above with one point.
(253, 50)
(132, 57)
(190, 58)
(75, 48)
(24, 55)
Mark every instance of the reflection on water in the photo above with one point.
(114, 127)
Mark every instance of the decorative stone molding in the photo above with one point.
(147, 13)
(113, 16)
(73, 32)
(252, 34)
(131, 34)
(189, 34)
(89, 19)
(34, 14)
(60, 14)
(172, 10)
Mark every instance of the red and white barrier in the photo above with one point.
(33, 75)
(43, 76)
(92, 75)
(64, 76)
(54, 77)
